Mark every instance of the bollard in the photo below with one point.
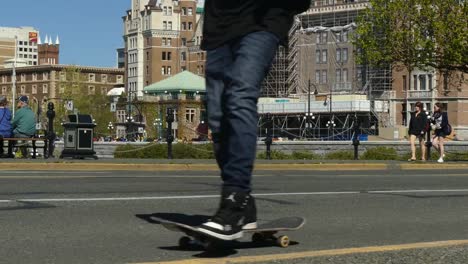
(169, 136)
(269, 135)
(428, 142)
(50, 130)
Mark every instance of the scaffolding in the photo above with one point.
(320, 53)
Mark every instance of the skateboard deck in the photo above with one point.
(265, 232)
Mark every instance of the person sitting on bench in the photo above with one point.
(24, 122)
(5, 121)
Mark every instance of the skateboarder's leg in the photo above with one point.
(252, 56)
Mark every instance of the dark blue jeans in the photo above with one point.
(234, 74)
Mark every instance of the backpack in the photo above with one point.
(447, 129)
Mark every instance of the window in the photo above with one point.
(34, 76)
(190, 25)
(34, 89)
(4, 90)
(190, 11)
(168, 70)
(345, 36)
(184, 42)
(119, 79)
(183, 56)
(184, 26)
(190, 115)
(429, 77)
(91, 90)
(405, 87)
(23, 89)
(359, 74)
(163, 70)
(4, 79)
(23, 77)
(104, 90)
(169, 56)
(317, 56)
(338, 55)
(317, 38)
(324, 77)
(184, 11)
(317, 76)
(170, 11)
(147, 70)
(169, 25)
(338, 76)
(104, 78)
(62, 89)
(92, 77)
(338, 36)
(345, 75)
(422, 82)
(45, 76)
(164, 57)
(324, 37)
(169, 42)
(165, 10)
(164, 25)
(324, 56)
(415, 82)
(45, 88)
(344, 54)
(164, 41)
(147, 55)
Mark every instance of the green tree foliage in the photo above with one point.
(415, 34)
(74, 87)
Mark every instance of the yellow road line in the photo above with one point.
(319, 253)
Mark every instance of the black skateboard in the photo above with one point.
(264, 233)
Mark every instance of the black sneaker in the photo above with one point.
(230, 218)
(250, 214)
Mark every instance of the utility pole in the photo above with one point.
(13, 104)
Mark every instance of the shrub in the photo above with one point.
(275, 154)
(305, 155)
(340, 155)
(380, 153)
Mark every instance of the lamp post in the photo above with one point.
(428, 139)
(110, 127)
(157, 125)
(130, 132)
(330, 125)
(309, 115)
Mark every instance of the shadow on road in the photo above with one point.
(223, 248)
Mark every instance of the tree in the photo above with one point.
(415, 34)
(73, 86)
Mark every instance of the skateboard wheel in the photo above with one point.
(258, 238)
(283, 241)
(184, 242)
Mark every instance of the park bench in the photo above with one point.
(13, 142)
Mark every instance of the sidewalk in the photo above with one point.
(210, 165)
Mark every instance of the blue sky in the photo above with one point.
(89, 30)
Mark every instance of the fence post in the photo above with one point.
(169, 136)
(356, 142)
(269, 135)
(428, 142)
(50, 130)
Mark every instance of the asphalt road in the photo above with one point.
(90, 217)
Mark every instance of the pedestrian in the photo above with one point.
(241, 39)
(5, 119)
(24, 122)
(417, 130)
(440, 124)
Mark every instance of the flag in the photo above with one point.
(33, 37)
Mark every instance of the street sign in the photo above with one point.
(113, 107)
(69, 105)
(38, 125)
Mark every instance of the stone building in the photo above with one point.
(184, 94)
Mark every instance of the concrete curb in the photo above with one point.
(84, 166)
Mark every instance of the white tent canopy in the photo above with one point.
(118, 91)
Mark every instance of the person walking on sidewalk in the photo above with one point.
(417, 130)
(241, 39)
(439, 121)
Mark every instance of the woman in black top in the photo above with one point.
(439, 122)
(417, 130)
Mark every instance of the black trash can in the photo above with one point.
(78, 140)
